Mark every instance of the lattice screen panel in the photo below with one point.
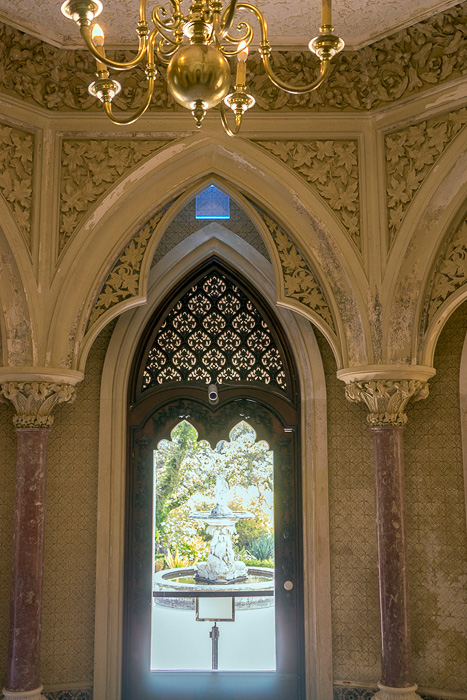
(214, 334)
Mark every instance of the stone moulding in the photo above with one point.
(410, 156)
(123, 282)
(331, 168)
(89, 169)
(16, 172)
(408, 62)
(299, 281)
(451, 273)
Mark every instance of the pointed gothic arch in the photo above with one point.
(116, 375)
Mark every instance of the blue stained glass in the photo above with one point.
(212, 203)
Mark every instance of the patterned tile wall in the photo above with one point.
(436, 523)
(354, 578)
(70, 547)
(7, 496)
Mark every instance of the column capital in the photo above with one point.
(35, 400)
(387, 399)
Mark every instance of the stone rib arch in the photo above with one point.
(246, 169)
(415, 254)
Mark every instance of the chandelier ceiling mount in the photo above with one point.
(195, 48)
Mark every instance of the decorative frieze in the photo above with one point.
(299, 281)
(123, 280)
(34, 401)
(451, 273)
(16, 169)
(410, 61)
(330, 167)
(89, 169)
(410, 155)
(386, 399)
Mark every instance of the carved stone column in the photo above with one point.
(386, 401)
(33, 402)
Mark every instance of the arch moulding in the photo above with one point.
(112, 459)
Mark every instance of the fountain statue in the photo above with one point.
(221, 565)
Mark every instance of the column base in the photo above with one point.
(387, 693)
(27, 694)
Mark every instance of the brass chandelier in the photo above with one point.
(195, 48)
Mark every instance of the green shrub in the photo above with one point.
(262, 548)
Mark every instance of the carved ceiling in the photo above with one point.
(359, 22)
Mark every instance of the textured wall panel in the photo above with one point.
(354, 579)
(70, 547)
(436, 525)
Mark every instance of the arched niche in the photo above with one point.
(174, 267)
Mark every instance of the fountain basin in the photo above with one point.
(183, 580)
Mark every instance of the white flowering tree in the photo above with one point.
(185, 473)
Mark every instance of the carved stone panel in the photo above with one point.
(331, 169)
(451, 273)
(299, 281)
(410, 61)
(410, 155)
(16, 169)
(89, 169)
(123, 280)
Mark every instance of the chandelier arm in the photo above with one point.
(325, 68)
(223, 25)
(242, 42)
(165, 56)
(170, 24)
(238, 122)
(117, 65)
(139, 112)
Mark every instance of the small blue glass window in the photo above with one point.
(212, 203)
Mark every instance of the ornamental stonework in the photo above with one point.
(331, 169)
(16, 171)
(299, 281)
(451, 274)
(89, 169)
(410, 61)
(123, 282)
(34, 401)
(410, 156)
(386, 399)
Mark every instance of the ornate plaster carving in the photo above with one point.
(34, 401)
(16, 167)
(123, 281)
(451, 273)
(299, 281)
(410, 61)
(331, 168)
(89, 169)
(410, 155)
(386, 399)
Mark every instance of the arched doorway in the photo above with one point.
(213, 329)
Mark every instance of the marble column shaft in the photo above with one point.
(392, 556)
(28, 558)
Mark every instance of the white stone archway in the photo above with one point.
(112, 460)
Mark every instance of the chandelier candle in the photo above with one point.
(195, 47)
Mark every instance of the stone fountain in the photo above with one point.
(221, 567)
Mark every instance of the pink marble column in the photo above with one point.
(392, 556)
(33, 402)
(28, 559)
(386, 400)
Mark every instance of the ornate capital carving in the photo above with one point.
(34, 401)
(386, 399)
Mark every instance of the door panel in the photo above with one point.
(275, 420)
